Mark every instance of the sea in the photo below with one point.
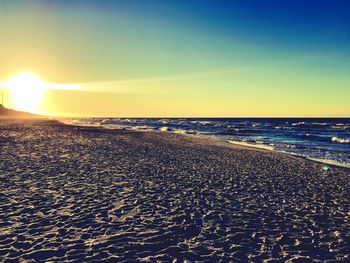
(321, 139)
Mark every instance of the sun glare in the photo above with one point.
(26, 92)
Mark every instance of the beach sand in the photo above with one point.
(72, 194)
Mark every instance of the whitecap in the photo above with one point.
(298, 123)
(340, 140)
(164, 129)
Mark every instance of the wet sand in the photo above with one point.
(72, 194)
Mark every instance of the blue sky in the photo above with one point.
(185, 52)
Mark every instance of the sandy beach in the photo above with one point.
(72, 194)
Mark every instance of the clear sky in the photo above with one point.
(182, 58)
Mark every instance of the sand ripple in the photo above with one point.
(72, 195)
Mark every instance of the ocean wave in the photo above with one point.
(178, 131)
(319, 123)
(255, 145)
(165, 129)
(340, 140)
(298, 123)
(239, 131)
(308, 125)
(282, 128)
(141, 128)
(202, 122)
(291, 146)
(340, 126)
(164, 121)
(323, 138)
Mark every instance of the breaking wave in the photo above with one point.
(340, 140)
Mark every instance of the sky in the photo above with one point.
(181, 58)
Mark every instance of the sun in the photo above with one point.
(26, 92)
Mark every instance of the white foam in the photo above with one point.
(205, 122)
(164, 129)
(340, 140)
(326, 161)
(266, 147)
(298, 123)
(180, 131)
(81, 122)
(259, 146)
(164, 121)
(141, 128)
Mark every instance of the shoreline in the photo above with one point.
(268, 148)
(213, 138)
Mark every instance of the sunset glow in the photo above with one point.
(162, 58)
(26, 91)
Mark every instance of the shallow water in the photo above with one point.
(317, 138)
